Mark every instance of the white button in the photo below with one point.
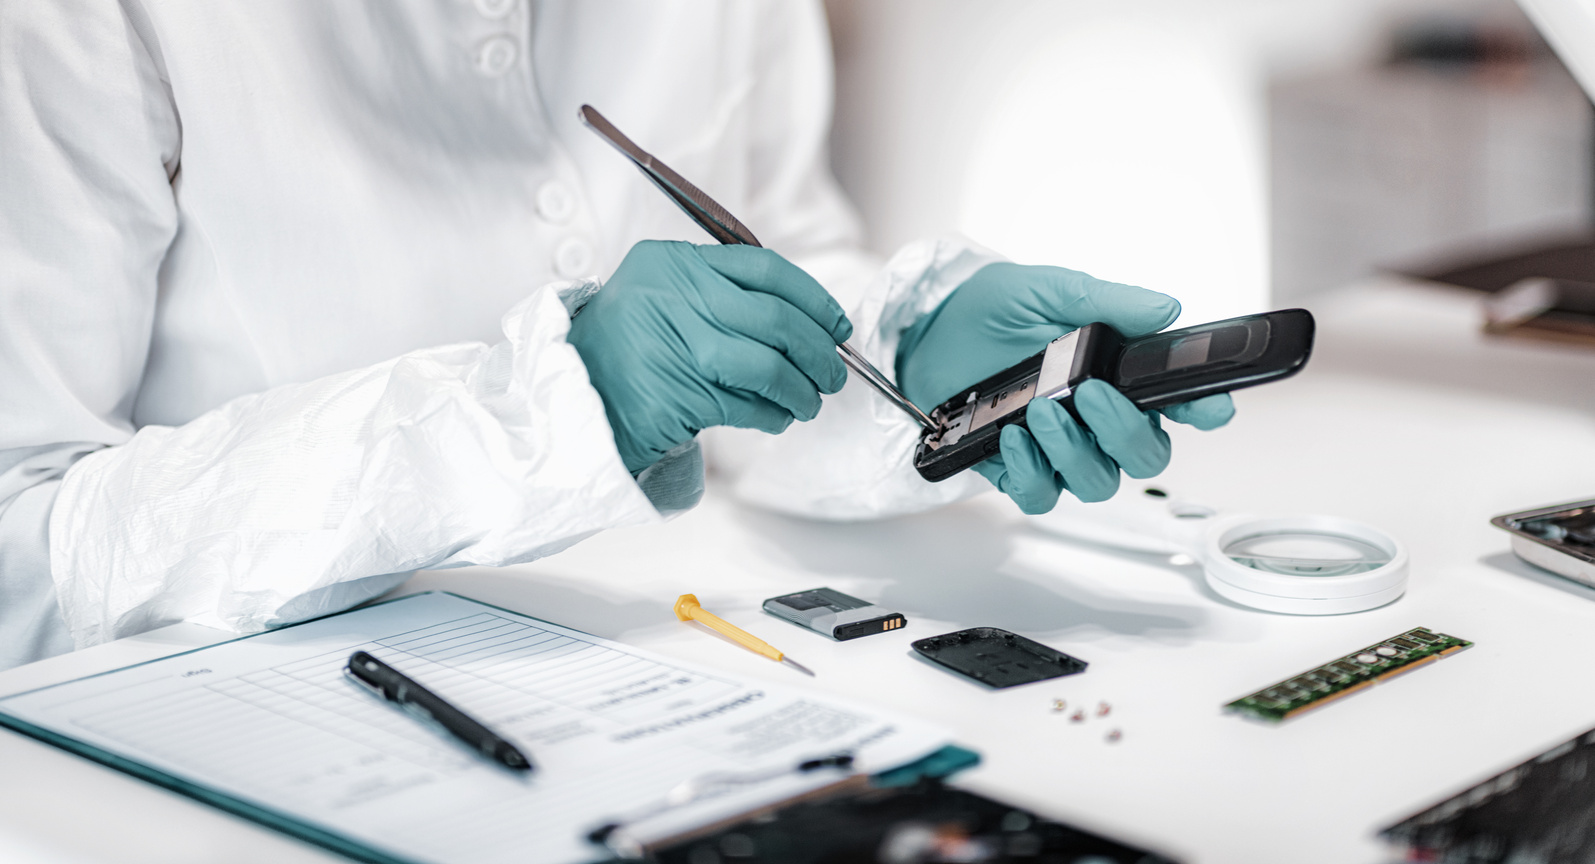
(555, 202)
(496, 56)
(495, 8)
(573, 258)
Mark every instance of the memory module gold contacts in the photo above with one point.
(1358, 670)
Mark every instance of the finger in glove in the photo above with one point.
(739, 363)
(1088, 473)
(753, 268)
(778, 324)
(1208, 412)
(1027, 478)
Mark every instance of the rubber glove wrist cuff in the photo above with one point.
(576, 293)
(675, 482)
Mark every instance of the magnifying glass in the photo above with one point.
(1298, 565)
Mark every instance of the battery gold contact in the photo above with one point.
(837, 615)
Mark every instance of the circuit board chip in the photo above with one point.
(1342, 676)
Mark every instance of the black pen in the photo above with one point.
(396, 687)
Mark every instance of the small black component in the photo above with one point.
(1404, 643)
(1423, 636)
(996, 657)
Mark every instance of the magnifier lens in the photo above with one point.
(1306, 553)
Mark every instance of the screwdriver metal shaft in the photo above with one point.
(688, 609)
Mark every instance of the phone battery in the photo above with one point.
(833, 613)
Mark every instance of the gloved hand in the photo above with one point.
(1007, 312)
(685, 337)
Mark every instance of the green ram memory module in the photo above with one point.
(1355, 671)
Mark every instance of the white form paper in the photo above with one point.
(272, 720)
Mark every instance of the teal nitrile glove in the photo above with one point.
(684, 337)
(1007, 312)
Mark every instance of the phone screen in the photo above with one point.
(1187, 350)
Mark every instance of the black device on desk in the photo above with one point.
(1540, 811)
(997, 658)
(920, 823)
(1153, 372)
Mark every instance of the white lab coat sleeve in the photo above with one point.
(87, 140)
(31, 626)
(275, 506)
(287, 503)
(855, 460)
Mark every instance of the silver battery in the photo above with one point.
(837, 615)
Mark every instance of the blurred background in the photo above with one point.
(1239, 154)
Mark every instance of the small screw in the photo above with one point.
(1103, 709)
(1114, 736)
(1077, 717)
(1058, 706)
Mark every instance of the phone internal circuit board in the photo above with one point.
(1358, 670)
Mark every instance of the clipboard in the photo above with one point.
(264, 727)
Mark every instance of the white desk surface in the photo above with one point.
(1406, 419)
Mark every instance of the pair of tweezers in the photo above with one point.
(725, 228)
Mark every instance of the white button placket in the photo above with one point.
(496, 55)
(558, 199)
(556, 202)
(573, 257)
(560, 202)
(493, 10)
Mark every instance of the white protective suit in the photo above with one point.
(280, 291)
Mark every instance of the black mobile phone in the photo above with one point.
(1153, 371)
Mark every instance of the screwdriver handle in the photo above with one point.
(687, 608)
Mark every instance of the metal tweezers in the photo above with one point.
(728, 230)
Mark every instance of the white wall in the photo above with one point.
(1121, 137)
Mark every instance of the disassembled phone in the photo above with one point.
(1358, 670)
(921, 822)
(1153, 371)
(1561, 538)
(837, 615)
(996, 657)
(1541, 810)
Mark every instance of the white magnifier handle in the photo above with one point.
(1135, 520)
(1297, 565)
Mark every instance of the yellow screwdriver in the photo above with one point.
(687, 609)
